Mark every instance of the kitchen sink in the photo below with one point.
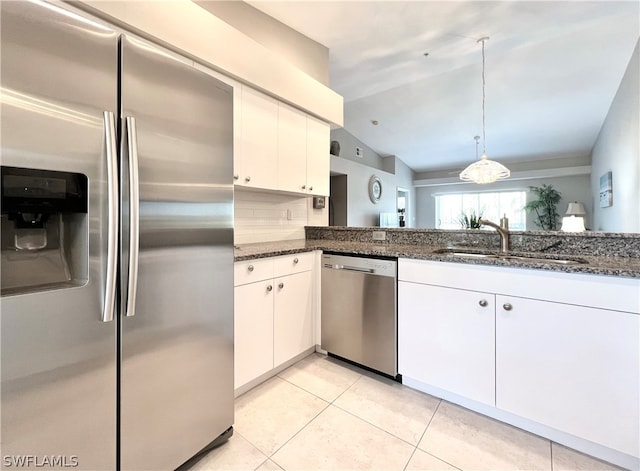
(467, 254)
(473, 254)
(554, 261)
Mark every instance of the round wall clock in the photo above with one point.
(375, 189)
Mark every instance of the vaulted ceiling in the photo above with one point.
(552, 70)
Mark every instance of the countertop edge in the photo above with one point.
(601, 265)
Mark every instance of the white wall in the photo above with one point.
(303, 52)
(348, 143)
(262, 216)
(573, 188)
(360, 210)
(617, 150)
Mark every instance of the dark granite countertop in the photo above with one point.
(621, 266)
(271, 249)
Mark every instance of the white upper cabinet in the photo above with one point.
(279, 147)
(317, 157)
(292, 149)
(258, 153)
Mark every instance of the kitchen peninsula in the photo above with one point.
(610, 254)
(544, 337)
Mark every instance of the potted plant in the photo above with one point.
(545, 206)
(470, 221)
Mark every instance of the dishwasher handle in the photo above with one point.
(348, 268)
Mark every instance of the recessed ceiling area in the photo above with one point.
(552, 71)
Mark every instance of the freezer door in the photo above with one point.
(58, 79)
(177, 319)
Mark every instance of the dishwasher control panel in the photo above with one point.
(372, 266)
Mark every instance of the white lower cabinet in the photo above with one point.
(541, 350)
(253, 331)
(573, 368)
(446, 338)
(274, 315)
(292, 320)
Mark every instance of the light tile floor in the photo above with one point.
(323, 414)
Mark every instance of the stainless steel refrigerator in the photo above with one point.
(117, 247)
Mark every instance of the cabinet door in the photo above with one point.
(238, 167)
(259, 140)
(446, 339)
(292, 149)
(293, 316)
(573, 368)
(253, 331)
(317, 157)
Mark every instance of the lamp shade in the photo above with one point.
(573, 224)
(484, 171)
(576, 209)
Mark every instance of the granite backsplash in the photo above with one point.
(551, 242)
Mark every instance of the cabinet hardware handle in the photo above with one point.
(483, 303)
(507, 306)
(269, 288)
(250, 268)
(134, 214)
(235, 177)
(247, 179)
(280, 285)
(295, 260)
(310, 188)
(304, 186)
(112, 238)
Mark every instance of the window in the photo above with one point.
(491, 206)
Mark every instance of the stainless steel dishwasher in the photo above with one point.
(359, 321)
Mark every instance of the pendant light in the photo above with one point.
(484, 170)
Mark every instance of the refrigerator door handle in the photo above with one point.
(112, 196)
(134, 209)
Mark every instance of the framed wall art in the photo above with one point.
(606, 190)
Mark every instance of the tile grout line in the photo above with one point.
(374, 425)
(429, 423)
(315, 395)
(306, 424)
(328, 404)
(296, 434)
(423, 434)
(360, 376)
(332, 403)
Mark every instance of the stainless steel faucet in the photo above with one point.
(504, 233)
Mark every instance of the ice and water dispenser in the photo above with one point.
(44, 228)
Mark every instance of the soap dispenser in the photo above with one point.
(504, 222)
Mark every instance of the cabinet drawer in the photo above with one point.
(294, 263)
(250, 271)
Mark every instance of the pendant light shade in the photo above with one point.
(484, 170)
